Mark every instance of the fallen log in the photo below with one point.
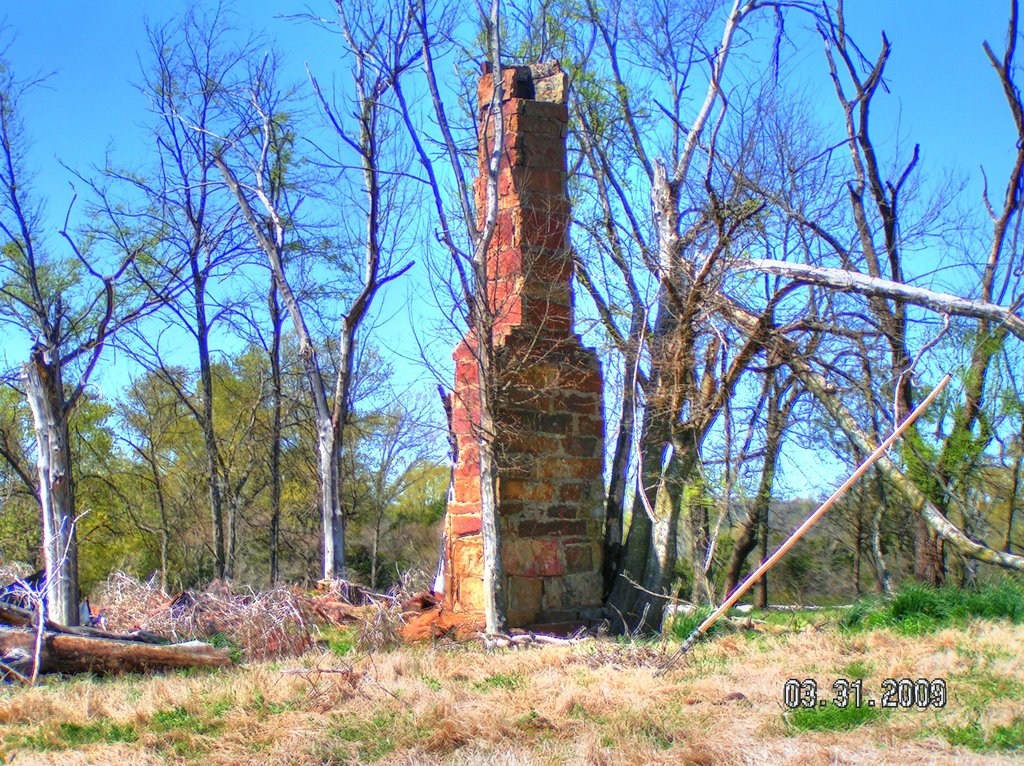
(71, 653)
(19, 617)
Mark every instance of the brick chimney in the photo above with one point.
(549, 445)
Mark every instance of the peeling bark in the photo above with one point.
(44, 390)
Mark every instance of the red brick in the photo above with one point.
(553, 528)
(579, 558)
(571, 491)
(465, 524)
(519, 489)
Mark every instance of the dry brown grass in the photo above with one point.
(593, 703)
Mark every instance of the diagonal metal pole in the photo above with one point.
(769, 562)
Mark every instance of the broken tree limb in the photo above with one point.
(833, 404)
(862, 284)
(67, 653)
(916, 499)
(877, 454)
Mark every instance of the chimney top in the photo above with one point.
(537, 82)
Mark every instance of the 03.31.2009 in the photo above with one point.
(906, 693)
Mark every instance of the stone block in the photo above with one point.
(579, 558)
(524, 596)
(532, 558)
(570, 491)
(524, 489)
(467, 555)
(470, 594)
(583, 589)
(554, 593)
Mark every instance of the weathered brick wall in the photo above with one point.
(549, 422)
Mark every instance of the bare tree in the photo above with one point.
(187, 83)
(39, 300)
(267, 165)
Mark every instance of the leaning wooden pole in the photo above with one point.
(790, 541)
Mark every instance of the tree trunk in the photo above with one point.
(633, 560)
(494, 571)
(331, 515)
(44, 390)
(66, 653)
(774, 427)
(615, 504)
(206, 420)
(232, 537)
(276, 320)
(695, 502)
(858, 542)
(762, 584)
(1012, 503)
(164, 527)
(374, 554)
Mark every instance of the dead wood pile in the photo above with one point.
(28, 648)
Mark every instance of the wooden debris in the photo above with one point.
(437, 623)
(62, 652)
(527, 639)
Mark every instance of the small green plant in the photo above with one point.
(432, 683)
(104, 730)
(508, 681)
(681, 625)
(68, 736)
(179, 719)
(374, 738)
(656, 735)
(222, 640)
(999, 738)
(341, 641)
(830, 718)
(857, 670)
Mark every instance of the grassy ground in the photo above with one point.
(598, 702)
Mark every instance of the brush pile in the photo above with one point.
(278, 622)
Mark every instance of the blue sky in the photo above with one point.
(944, 94)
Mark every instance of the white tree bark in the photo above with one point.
(44, 392)
(862, 284)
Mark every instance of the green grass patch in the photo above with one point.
(432, 683)
(340, 641)
(178, 719)
(977, 738)
(68, 736)
(830, 718)
(507, 681)
(374, 738)
(681, 625)
(916, 609)
(857, 670)
(224, 641)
